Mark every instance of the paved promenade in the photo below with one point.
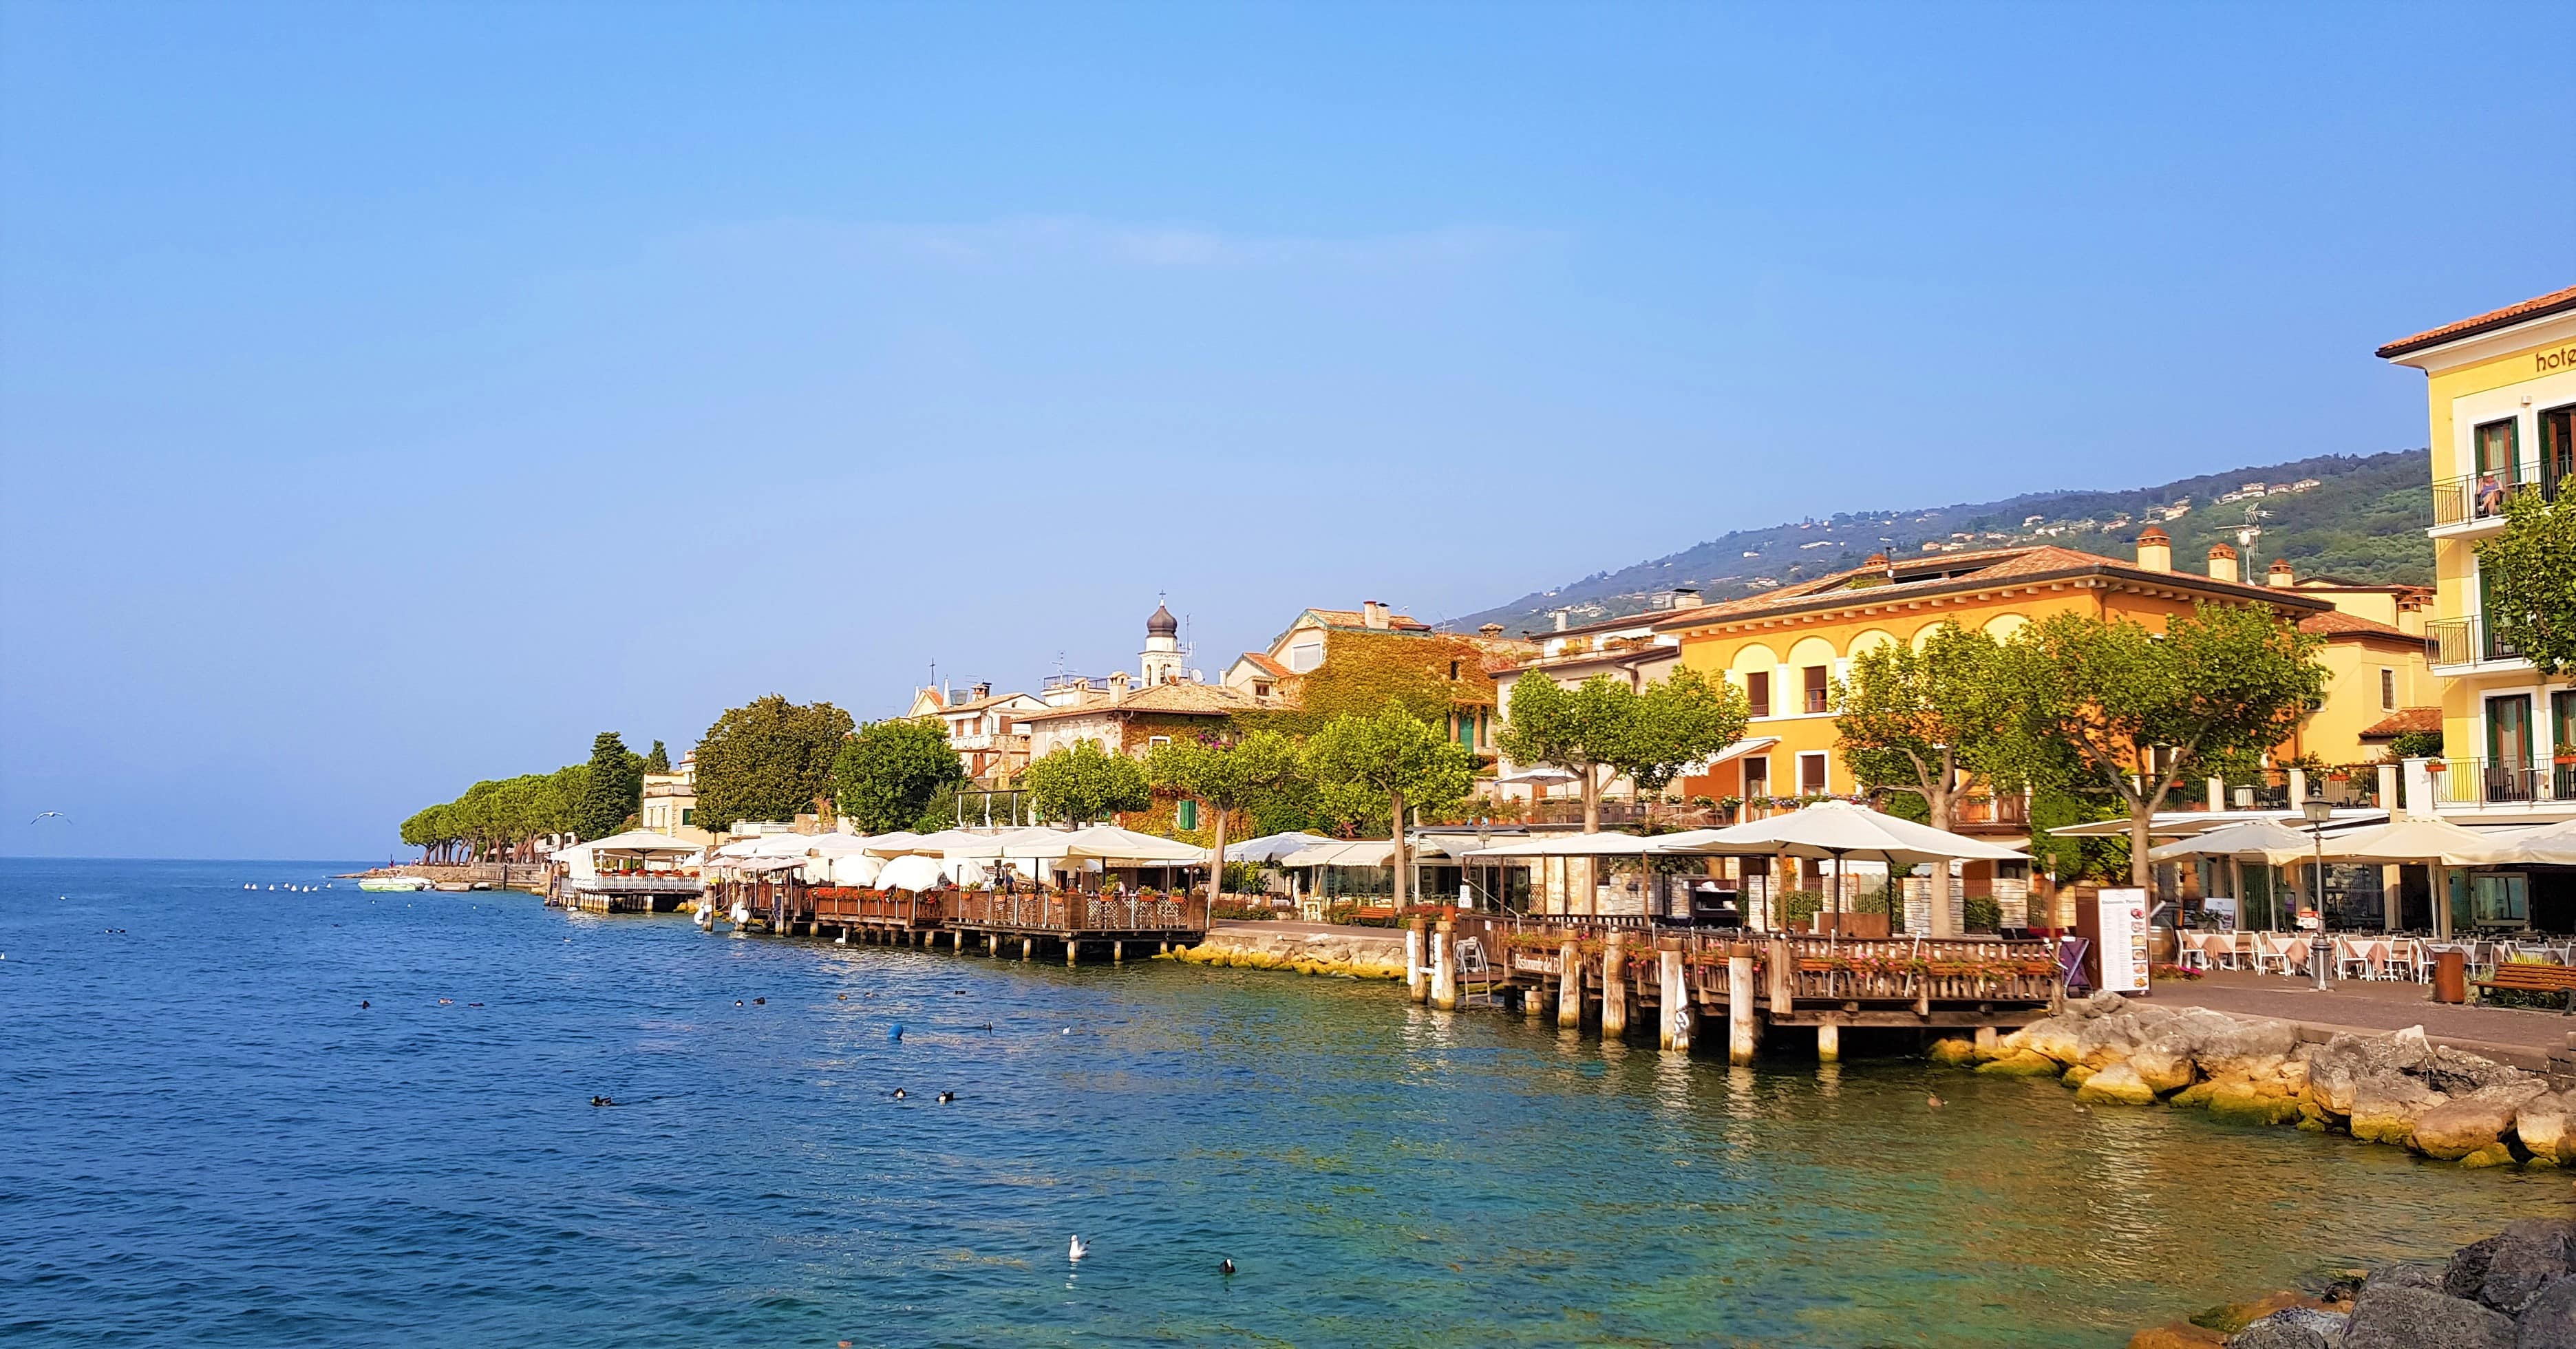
(2526, 1038)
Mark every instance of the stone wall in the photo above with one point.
(1362, 953)
(2399, 1089)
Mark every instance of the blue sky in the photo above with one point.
(395, 396)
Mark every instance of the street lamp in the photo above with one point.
(2319, 949)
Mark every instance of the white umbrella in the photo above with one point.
(2548, 845)
(895, 844)
(1272, 847)
(1366, 852)
(2246, 841)
(642, 843)
(912, 872)
(1837, 829)
(1573, 845)
(2438, 844)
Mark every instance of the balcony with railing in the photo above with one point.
(2488, 782)
(2465, 641)
(2476, 499)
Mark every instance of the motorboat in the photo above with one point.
(402, 883)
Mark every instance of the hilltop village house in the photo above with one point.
(985, 728)
(670, 804)
(2501, 393)
(1130, 718)
(1627, 649)
(1374, 636)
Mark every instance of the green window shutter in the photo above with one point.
(1189, 815)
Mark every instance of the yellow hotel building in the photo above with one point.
(2502, 394)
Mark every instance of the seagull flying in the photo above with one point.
(50, 815)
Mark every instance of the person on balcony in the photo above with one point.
(2490, 496)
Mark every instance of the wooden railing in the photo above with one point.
(631, 883)
(881, 906)
(1060, 911)
(1791, 970)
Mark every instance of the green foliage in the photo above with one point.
(1391, 758)
(615, 788)
(659, 760)
(889, 774)
(1606, 726)
(1227, 778)
(1364, 671)
(1982, 913)
(2528, 574)
(2074, 859)
(2096, 702)
(2416, 745)
(500, 816)
(1083, 783)
(768, 760)
(1911, 721)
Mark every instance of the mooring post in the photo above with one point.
(1028, 947)
(1444, 980)
(1072, 948)
(1829, 1043)
(1534, 998)
(1414, 985)
(1118, 953)
(1740, 1032)
(1569, 987)
(1614, 985)
(1672, 993)
(1985, 1041)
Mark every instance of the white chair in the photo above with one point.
(2353, 959)
(2270, 955)
(2411, 957)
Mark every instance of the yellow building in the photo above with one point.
(2502, 394)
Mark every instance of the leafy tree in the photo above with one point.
(2415, 745)
(1081, 783)
(615, 788)
(2117, 709)
(1605, 729)
(2528, 573)
(1393, 757)
(1226, 778)
(659, 761)
(1914, 721)
(768, 760)
(889, 773)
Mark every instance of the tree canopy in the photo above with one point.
(1082, 783)
(1227, 778)
(1914, 719)
(615, 789)
(2528, 574)
(2114, 708)
(658, 759)
(768, 760)
(500, 818)
(1605, 727)
(1392, 757)
(891, 772)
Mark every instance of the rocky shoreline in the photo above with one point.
(2398, 1089)
(1336, 954)
(2514, 1290)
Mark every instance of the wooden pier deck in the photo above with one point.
(1615, 976)
(1027, 924)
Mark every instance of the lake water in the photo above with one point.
(211, 1142)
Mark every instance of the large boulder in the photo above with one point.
(2240, 1100)
(2509, 1270)
(1952, 1051)
(2118, 1084)
(2419, 1318)
(2164, 1065)
(2466, 1124)
(2292, 1328)
(2106, 1040)
(2054, 1036)
(2385, 1106)
(2252, 1046)
(2021, 1063)
(2549, 1319)
(2544, 1126)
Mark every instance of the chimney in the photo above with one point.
(2281, 575)
(2155, 550)
(1876, 560)
(984, 690)
(1490, 631)
(1687, 597)
(1373, 614)
(2222, 562)
(1118, 683)
(1560, 620)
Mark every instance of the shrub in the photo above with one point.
(1983, 914)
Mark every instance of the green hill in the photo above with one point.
(2361, 518)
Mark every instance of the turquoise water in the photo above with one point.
(211, 1143)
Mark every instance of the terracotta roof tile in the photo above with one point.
(1991, 567)
(1261, 661)
(1353, 618)
(2340, 624)
(2538, 306)
(2403, 721)
(1180, 700)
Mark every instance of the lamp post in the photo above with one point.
(2320, 950)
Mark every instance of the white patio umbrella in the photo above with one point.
(1573, 845)
(896, 844)
(2246, 841)
(2547, 845)
(2438, 844)
(641, 843)
(912, 872)
(1837, 829)
(1272, 847)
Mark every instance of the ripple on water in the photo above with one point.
(235, 1153)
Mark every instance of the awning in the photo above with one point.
(1367, 852)
(1743, 747)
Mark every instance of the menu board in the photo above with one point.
(2124, 940)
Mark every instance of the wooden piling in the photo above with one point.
(1672, 996)
(1569, 987)
(1741, 1035)
(1614, 986)
(1829, 1042)
(1118, 953)
(1028, 947)
(1415, 987)
(1072, 949)
(1985, 1041)
(1444, 977)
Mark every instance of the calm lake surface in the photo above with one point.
(211, 1143)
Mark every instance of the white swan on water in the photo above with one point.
(1077, 1250)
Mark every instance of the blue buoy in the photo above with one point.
(895, 1031)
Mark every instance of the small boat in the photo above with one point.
(404, 883)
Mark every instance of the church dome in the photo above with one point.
(1162, 624)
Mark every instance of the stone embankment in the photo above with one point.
(2515, 1290)
(2399, 1088)
(1348, 954)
